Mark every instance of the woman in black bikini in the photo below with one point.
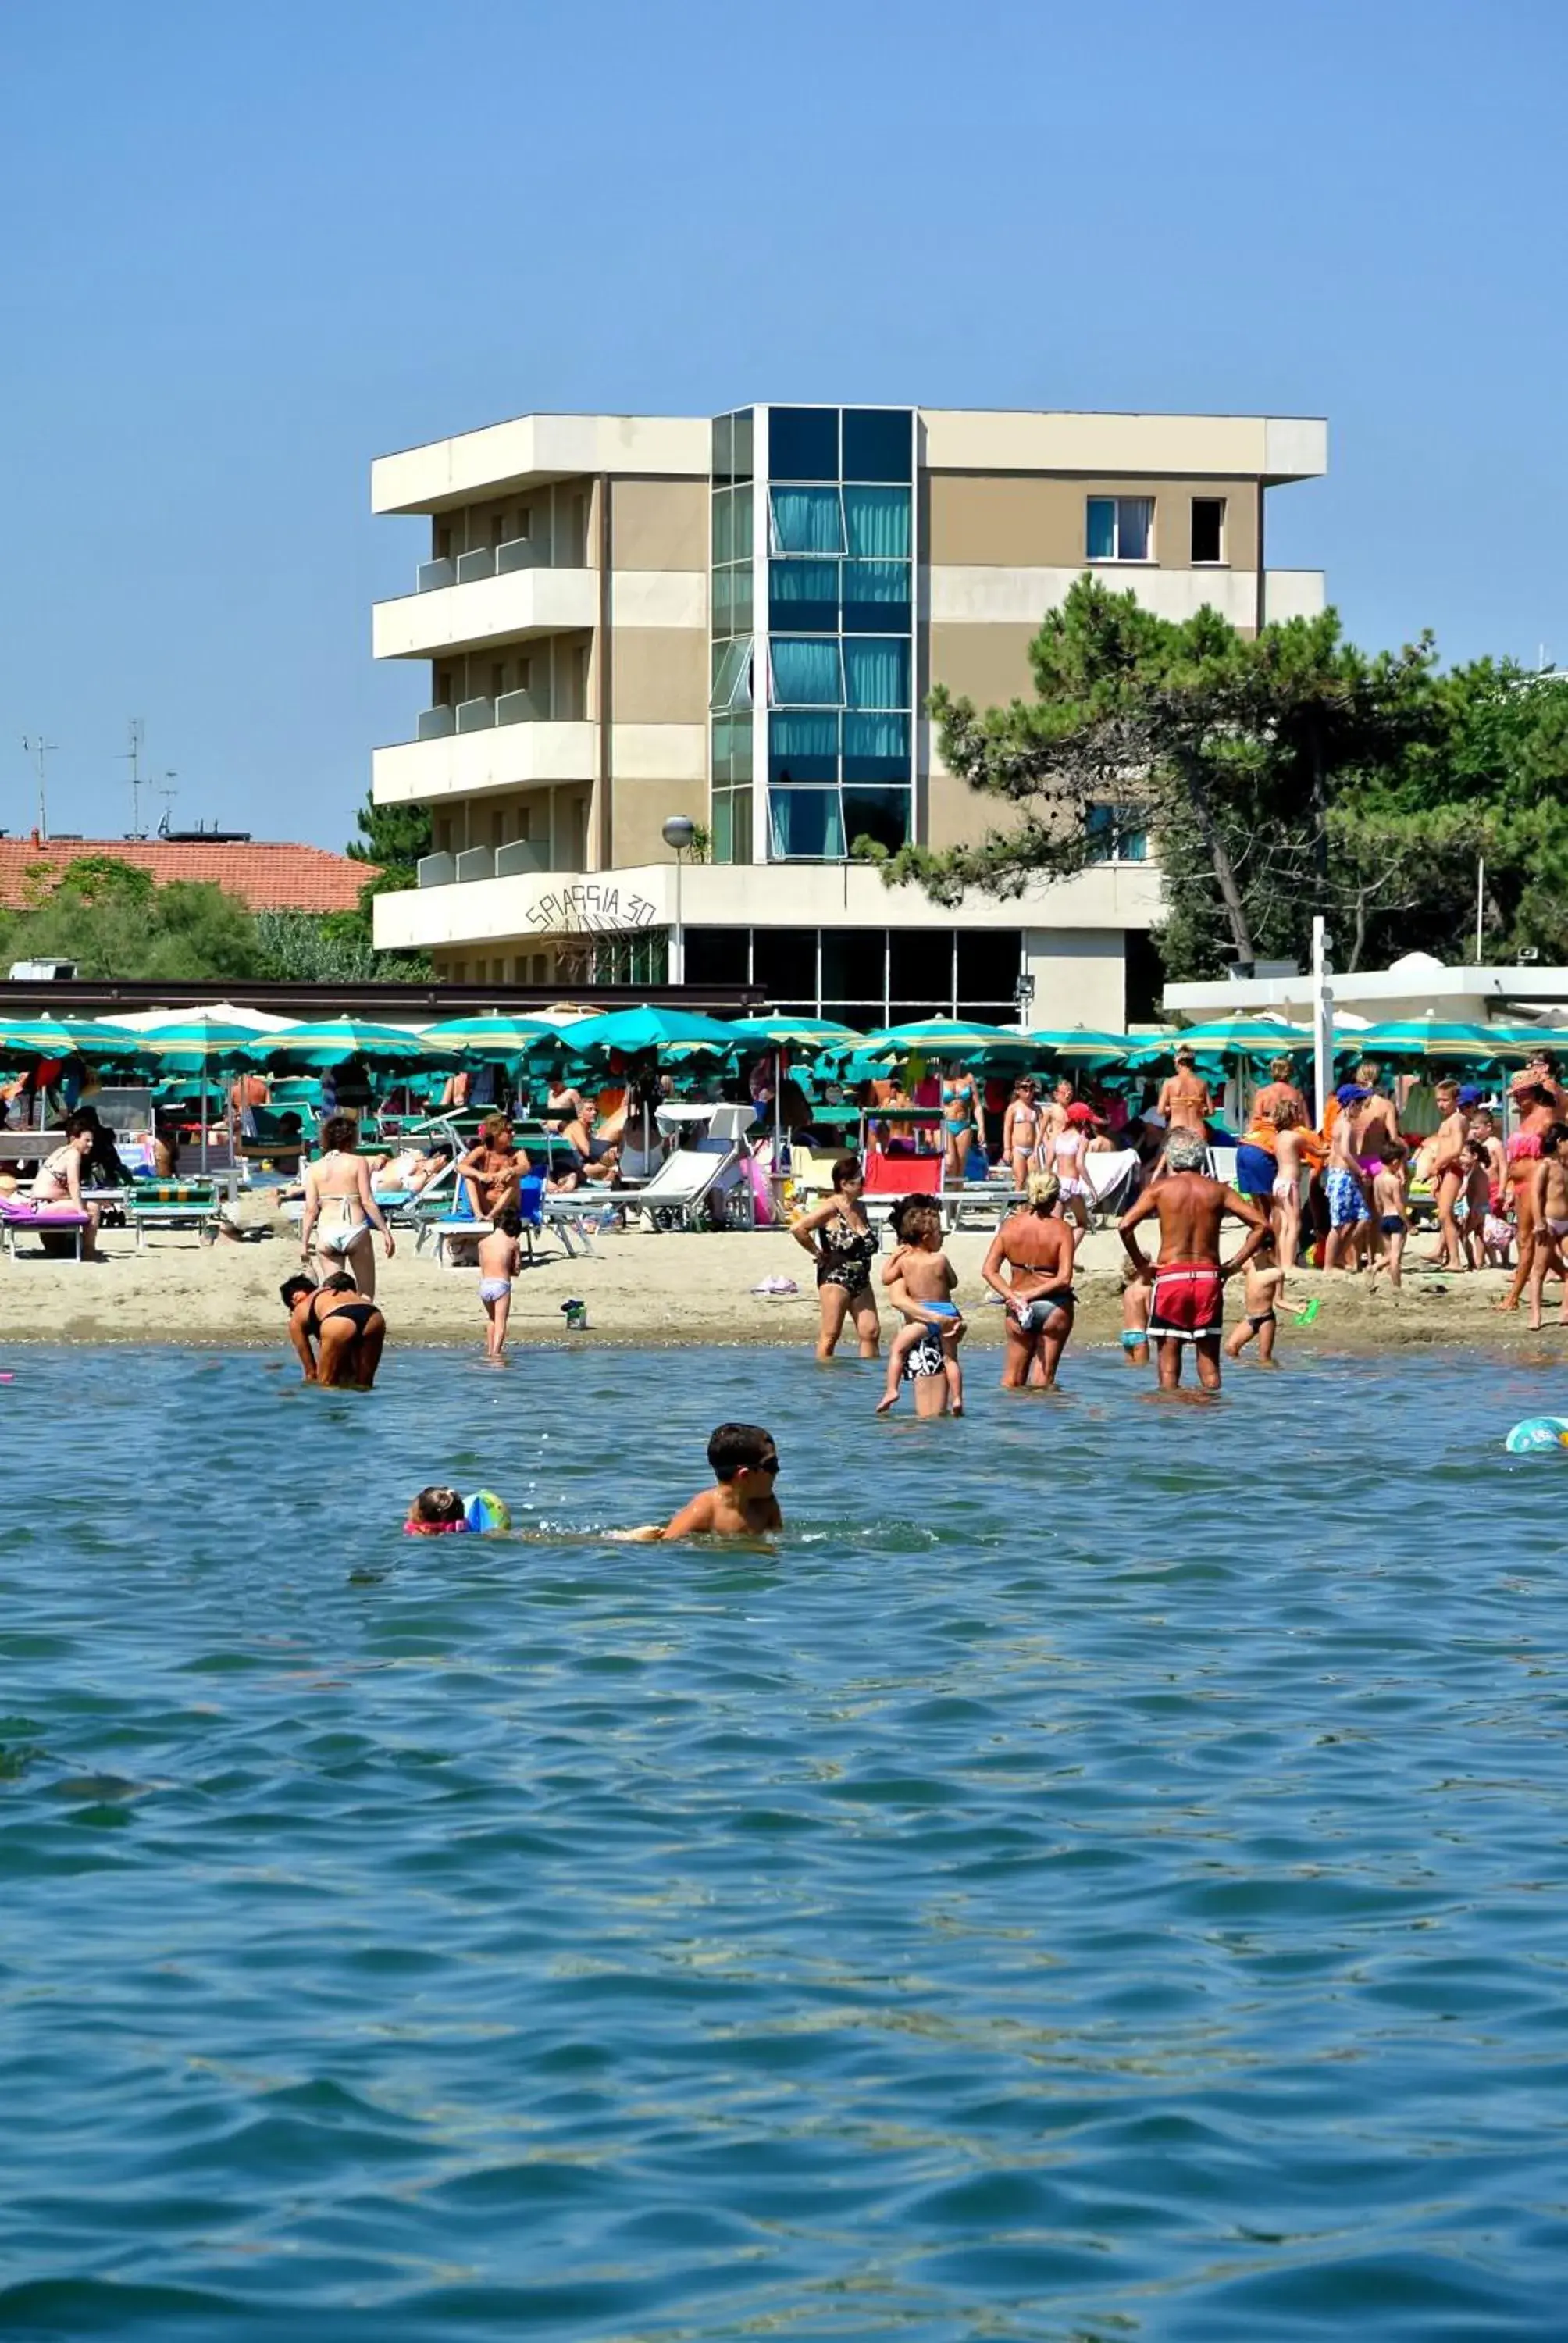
(343, 1323)
(843, 1244)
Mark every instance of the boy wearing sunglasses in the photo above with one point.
(742, 1501)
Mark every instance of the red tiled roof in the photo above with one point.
(266, 877)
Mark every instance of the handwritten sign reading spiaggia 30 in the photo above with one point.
(588, 904)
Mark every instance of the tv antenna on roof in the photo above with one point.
(137, 732)
(41, 750)
(168, 793)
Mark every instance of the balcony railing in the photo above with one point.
(483, 561)
(477, 715)
(519, 859)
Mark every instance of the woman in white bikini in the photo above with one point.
(1286, 1198)
(58, 1181)
(340, 1211)
(1021, 1129)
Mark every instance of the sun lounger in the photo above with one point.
(687, 1185)
(171, 1204)
(462, 1228)
(21, 1213)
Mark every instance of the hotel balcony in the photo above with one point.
(494, 594)
(484, 744)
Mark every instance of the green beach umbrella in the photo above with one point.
(327, 1040)
(633, 1031)
(1433, 1036)
(945, 1037)
(1080, 1042)
(803, 1033)
(189, 1042)
(64, 1037)
(492, 1034)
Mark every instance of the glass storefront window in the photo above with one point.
(803, 443)
(878, 443)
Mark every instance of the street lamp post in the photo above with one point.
(679, 830)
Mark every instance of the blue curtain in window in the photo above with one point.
(877, 522)
(803, 747)
(876, 596)
(807, 520)
(803, 597)
(877, 671)
(1136, 519)
(805, 672)
(1101, 528)
(805, 824)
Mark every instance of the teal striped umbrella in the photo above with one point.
(804, 1033)
(187, 1043)
(1080, 1042)
(633, 1031)
(492, 1034)
(328, 1040)
(1228, 1037)
(945, 1037)
(64, 1037)
(1432, 1036)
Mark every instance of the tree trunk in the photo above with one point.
(1319, 820)
(1190, 770)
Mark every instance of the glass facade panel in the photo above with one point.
(854, 963)
(877, 749)
(802, 596)
(719, 955)
(742, 443)
(723, 603)
(742, 847)
(806, 520)
(878, 443)
(803, 443)
(877, 523)
(722, 824)
(740, 518)
(740, 597)
(723, 444)
(802, 748)
(806, 671)
(805, 826)
(723, 525)
(876, 597)
(989, 960)
(877, 671)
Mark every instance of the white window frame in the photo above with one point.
(1120, 559)
(1221, 560)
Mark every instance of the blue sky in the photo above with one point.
(248, 248)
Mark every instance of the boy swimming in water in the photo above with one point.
(920, 1280)
(742, 1503)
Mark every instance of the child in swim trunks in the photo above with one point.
(1137, 1285)
(1264, 1287)
(920, 1280)
(500, 1259)
(1389, 1212)
(743, 1500)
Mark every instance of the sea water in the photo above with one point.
(1103, 1877)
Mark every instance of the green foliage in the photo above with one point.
(394, 836)
(112, 920)
(330, 948)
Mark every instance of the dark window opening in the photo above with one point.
(803, 443)
(717, 955)
(784, 962)
(1208, 528)
(853, 961)
(989, 960)
(1144, 977)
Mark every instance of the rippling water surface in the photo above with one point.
(1103, 1879)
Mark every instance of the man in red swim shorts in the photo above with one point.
(1188, 1303)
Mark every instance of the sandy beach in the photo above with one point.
(644, 1288)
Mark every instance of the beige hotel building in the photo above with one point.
(737, 619)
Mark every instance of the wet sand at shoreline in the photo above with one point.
(646, 1289)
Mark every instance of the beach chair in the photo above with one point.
(172, 1204)
(684, 1191)
(462, 1228)
(23, 1214)
(889, 1177)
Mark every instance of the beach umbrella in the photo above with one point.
(1434, 1036)
(1080, 1042)
(635, 1030)
(805, 1034)
(1246, 1037)
(945, 1037)
(204, 1041)
(493, 1034)
(64, 1037)
(325, 1041)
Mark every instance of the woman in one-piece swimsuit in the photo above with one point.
(843, 1244)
